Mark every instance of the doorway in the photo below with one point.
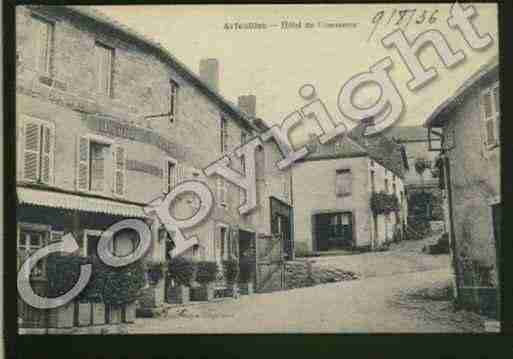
(333, 231)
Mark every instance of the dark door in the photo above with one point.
(247, 250)
(334, 231)
(281, 225)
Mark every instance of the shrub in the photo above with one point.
(206, 272)
(181, 270)
(123, 285)
(231, 271)
(247, 270)
(384, 203)
(93, 292)
(62, 272)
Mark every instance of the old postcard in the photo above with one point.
(258, 169)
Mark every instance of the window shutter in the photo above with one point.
(47, 154)
(496, 103)
(119, 170)
(31, 148)
(488, 118)
(165, 175)
(83, 164)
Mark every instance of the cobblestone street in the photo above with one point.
(403, 290)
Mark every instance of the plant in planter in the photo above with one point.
(246, 276)
(206, 273)
(93, 292)
(180, 276)
(62, 273)
(231, 274)
(123, 286)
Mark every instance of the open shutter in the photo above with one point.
(488, 118)
(47, 154)
(496, 104)
(83, 163)
(31, 150)
(119, 170)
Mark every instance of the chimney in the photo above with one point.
(209, 72)
(247, 104)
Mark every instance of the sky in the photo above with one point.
(273, 63)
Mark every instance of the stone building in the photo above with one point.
(468, 124)
(107, 121)
(332, 190)
(418, 187)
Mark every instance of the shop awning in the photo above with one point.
(45, 198)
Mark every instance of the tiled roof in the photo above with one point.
(406, 133)
(354, 144)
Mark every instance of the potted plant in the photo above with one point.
(206, 273)
(62, 273)
(231, 274)
(246, 276)
(180, 277)
(123, 286)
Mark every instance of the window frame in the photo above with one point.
(166, 161)
(173, 99)
(49, 45)
(111, 51)
(343, 171)
(41, 123)
(43, 229)
(110, 167)
(494, 115)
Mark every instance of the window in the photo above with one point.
(99, 158)
(373, 184)
(343, 182)
(30, 241)
(37, 149)
(394, 188)
(43, 31)
(372, 163)
(243, 137)
(101, 166)
(224, 135)
(222, 190)
(490, 109)
(386, 185)
(173, 92)
(105, 56)
(170, 175)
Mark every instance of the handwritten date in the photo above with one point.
(403, 17)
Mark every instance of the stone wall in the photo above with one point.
(306, 273)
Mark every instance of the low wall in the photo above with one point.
(305, 273)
